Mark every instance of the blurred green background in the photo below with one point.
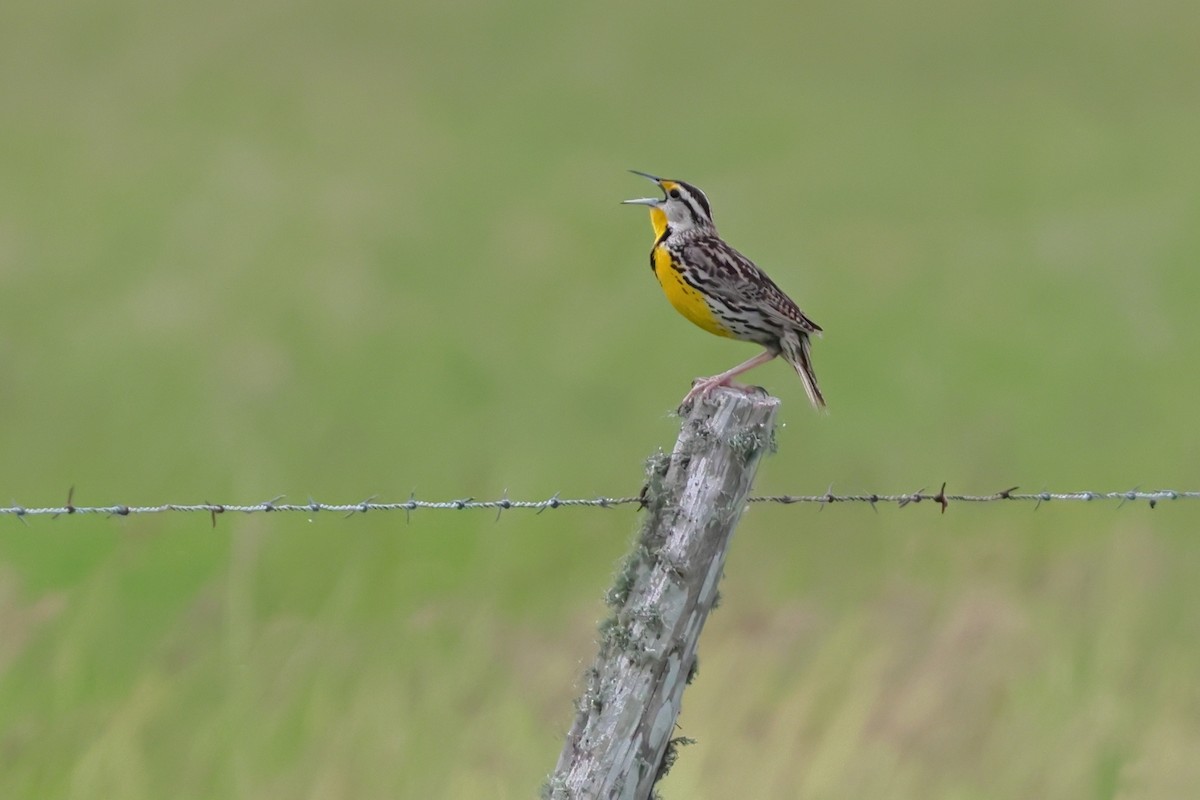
(368, 248)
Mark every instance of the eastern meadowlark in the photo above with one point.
(721, 290)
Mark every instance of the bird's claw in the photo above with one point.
(700, 387)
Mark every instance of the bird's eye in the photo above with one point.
(674, 194)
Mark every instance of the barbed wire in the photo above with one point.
(940, 498)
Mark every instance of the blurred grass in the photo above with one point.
(344, 250)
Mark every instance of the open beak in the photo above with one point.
(645, 201)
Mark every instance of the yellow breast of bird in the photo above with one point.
(686, 299)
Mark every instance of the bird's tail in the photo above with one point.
(794, 347)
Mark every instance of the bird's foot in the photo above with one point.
(701, 387)
(747, 387)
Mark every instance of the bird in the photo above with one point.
(722, 291)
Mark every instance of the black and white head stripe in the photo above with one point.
(696, 200)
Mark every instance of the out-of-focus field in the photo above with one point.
(371, 248)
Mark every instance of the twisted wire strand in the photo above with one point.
(940, 498)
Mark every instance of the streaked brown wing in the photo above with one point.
(738, 282)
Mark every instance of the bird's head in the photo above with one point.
(682, 207)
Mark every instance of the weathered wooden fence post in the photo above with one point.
(618, 746)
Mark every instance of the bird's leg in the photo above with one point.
(705, 385)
